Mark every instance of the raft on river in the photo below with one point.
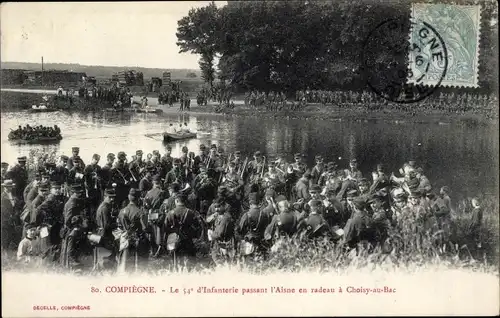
(37, 140)
(174, 137)
(41, 109)
(135, 110)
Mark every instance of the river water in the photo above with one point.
(461, 156)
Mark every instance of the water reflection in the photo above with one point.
(464, 157)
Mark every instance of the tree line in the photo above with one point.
(294, 45)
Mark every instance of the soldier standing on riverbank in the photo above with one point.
(19, 175)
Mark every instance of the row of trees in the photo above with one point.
(293, 45)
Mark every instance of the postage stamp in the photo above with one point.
(459, 26)
(388, 65)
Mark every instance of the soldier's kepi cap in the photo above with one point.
(315, 189)
(21, 159)
(297, 156)
(157, 152)
(213, 146)
(122, 155)
(74, 149)
(111, 155)
(257, 153)
(237, 152)
(96, 156)
(139, 152)
(64, 158)
(184, 149)
(203, 147)
(110, 192)
(177, 161)
(5, 164)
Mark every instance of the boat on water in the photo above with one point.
(175, 136)
(135, 110)
(37, 140)
(42, 108)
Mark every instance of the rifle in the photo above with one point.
(244, 167)
(227, 168)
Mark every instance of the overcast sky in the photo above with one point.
(113, 34)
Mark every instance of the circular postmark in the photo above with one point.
(404, 62)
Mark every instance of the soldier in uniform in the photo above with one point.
(202, 157)
(75, 151)
(182, 226)
(19, 175)
(152, 203)
(5, 167)
(302, 187)
(31, 190)
(137, 166)
(233, 181)
(299, 168)
(177, 174)
(358, 227)
(223, 234)
(73, 244)
(238, 162)
(184, 156)
(104, 228)
(134, 244)
(254, 168)
(146, 182)
(106, 171)
(76, 174)
(284, 224)
(11, 210)
(61, 173)
(274, 179)
(121, 176)
(75, 206)
(167, 162)
(49, 215)
(314, 225)
(92, 176)
(334, 211)
(317, 170)
(205, 189)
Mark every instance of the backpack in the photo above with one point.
(173, 239)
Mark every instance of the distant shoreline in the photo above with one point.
(310, 112)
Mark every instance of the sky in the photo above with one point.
(96, 33)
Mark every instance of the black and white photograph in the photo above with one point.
(249, 158)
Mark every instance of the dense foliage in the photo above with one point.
(292, 45)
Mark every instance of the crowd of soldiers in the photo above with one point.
(117, 96)
(30, 133)
(127, 213)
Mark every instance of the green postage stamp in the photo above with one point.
(459, 29)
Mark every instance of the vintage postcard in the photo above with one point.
(249, 158)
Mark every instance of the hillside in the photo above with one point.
(100, 71)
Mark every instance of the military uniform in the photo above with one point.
(152, 204)
(106, 171)
(92, 176)
(11, 209)
(123, 179)
(185, 223)
(71, 160)
(19, 175)
(104, 228)
(131, 220)
(254, 222)
(49, 214)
